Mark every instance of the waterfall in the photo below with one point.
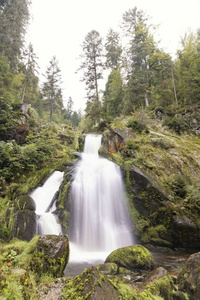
(47, 221)
(100, 222)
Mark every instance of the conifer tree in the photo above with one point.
(92, 67)
(52, 89)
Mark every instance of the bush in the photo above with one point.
(137, 126)
(178, 186)
(193, 193)
(178, 124)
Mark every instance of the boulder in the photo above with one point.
(24, 202)
(50, 255)
(91, 285)
(189, 278)
(133, 258)
(155, 275)
(25, 224)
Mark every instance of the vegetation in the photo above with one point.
(148, 95)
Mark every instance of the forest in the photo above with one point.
(147, 92)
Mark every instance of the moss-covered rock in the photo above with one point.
(50, 255)
(25, 224)
(24, 202)
(91, 285)
(134, 257)
(189, 277)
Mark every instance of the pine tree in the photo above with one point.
(92, 67)
(142, 47)
(113, 50)
(30, 91)
(14, 16)
(52, 89)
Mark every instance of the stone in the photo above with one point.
(155, 275)
(92, 285)
(25, 224)
(134, 258)
(51, 255)
(24, 202)
(189, 278)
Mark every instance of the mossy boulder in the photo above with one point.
(24, 218)
(25, 224)
(189, 278)
(50, 255)
(24, 202)
(91, 285)
(135, 257)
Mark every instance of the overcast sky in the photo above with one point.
(58, 28)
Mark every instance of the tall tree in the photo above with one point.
(52, 88)
(92, 67)
(30, 84)
(113, 50)
(14, 16)
(142, 46)
(113, 95)
(188, 69)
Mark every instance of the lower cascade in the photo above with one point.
(47, 221)
(100, 222)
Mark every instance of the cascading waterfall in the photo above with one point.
(100, 222)
(47, 222)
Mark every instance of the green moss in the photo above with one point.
(134, 257)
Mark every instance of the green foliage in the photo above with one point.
(176, 123)
(193, 194)
(137, 126)
(131, 144)
(178, 185)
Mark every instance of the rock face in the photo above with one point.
(189, 277)
(25, 218)
(134, 257)
(51, 255)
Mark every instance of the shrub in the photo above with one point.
(137, 126)
(178, 186)
(178, 124)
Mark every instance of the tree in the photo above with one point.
(113, 95)
(92, 67)
(30, 91)
(14, 16)
(52, 88)
(142, 47)
(113, 50)
(188, 70)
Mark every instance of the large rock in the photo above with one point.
(25, 224)
(91, 285)
(50, 255)
(189, 277)
(24, 202)
(134, 257)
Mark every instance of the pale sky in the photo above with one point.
(58, 28)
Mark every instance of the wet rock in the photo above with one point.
(24, 202)
(25, 224)
(134, 257)
(51, 255)
(189, 278)
(155, 275)
(185, 232)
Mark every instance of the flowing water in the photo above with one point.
(100, 222)
(47, 221)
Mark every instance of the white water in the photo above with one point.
(100, 223)
(47, 222)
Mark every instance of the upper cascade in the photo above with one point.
(92, 143)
